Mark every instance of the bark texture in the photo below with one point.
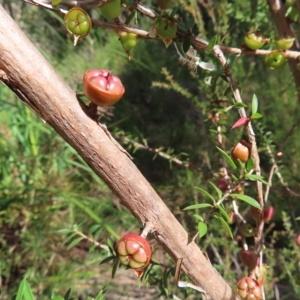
(24, 70)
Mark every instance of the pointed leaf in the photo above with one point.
(196, 206)
(106, 260)
(223, 212)
(115, 267)
(225, 225)
(97, 234)
(256, 116)
(174, 11)
(186, 44)
(24, 291)
(110, 246)
(202, 229)
(69, 238)
(254, 104)
(255, 177)
(74, 243)
(246, 199)
(67, 230)
(240, 105)
(67, 295)
(191, 22)
(298, 218)
(234, 177)
(229, 108)
(250, 164)
(240, 122)
(228, 159)
(199, 218)
(219, 192)
(206, 194)
(182, 27)
(130, 17)
(55, 2)
(94, 228)
(212, 43)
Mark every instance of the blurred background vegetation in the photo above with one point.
(45, 186)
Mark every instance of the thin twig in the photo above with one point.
(254, 151)
(157, 152)
(289, 134)
(198, 42)
(105, 247)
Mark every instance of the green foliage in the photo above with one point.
(45, 186)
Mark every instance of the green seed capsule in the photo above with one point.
(78, 23)
(275, 59)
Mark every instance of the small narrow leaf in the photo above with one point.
(246, 199)
(97, 234)
(64, 230)
(240, 122)
(288, 11)
(74, 243)
(240, 105)
(196, 206)
(298, 218)
(93, 228)
(219, 192)
(250, 164)
(225, 225)
(55, 2)
(228, 159)
(223, 212)
(186, 44)
(174, 11)
(213, 131)
(199, 218)
(212, 43)
(191, 22)
(206, 194)
(24, 291)
(256, 116)
(234, 177)
(202, 229)
(106, 260)
(129, 18)
(182, 27)
(241, 165)
(110, 246)
(229, 108)
(255, 177)
(28, 295)
(69, 238)
(254, 104)
(114, 269)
